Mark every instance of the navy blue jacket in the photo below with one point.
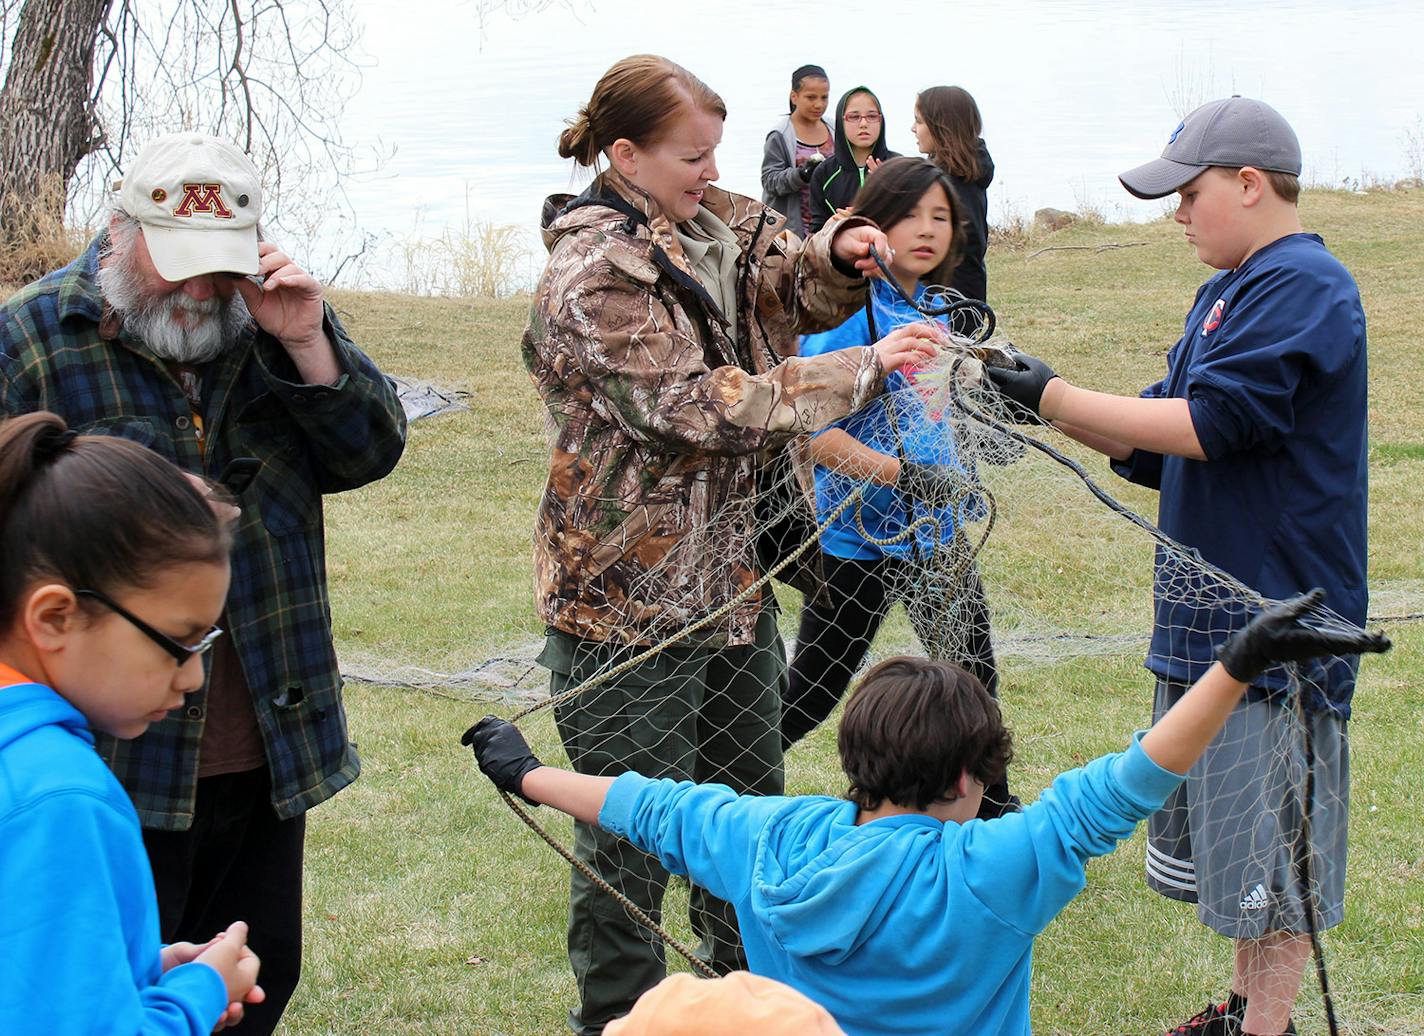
(1273, 365)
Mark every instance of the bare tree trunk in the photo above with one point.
(47, 122)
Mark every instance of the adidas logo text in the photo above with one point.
(1255, 899)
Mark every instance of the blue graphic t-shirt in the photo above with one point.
(917, 433)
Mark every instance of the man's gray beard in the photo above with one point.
(154, 321)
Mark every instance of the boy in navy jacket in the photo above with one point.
(898, 910)
(1256, 439)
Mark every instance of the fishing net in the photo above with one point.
(1014, 557)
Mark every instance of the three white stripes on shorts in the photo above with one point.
(1182, 874)
(1170, 871)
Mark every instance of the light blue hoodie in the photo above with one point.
(78, 913)
(906, 924)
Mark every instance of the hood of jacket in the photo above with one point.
(787, 132)
(986, 166)
(611, 199)
(650, 244)
(844, 158)
(824, 886)
(26, 707)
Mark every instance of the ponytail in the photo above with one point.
(577, 141)
(93, 512)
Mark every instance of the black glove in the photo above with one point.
(939, 485)
(502, 753)
(1276, 636)
(807, 170)
(1023, 386)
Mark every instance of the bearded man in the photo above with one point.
(180, 329)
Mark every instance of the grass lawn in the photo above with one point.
(431, 909)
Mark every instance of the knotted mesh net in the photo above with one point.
(1006, 555)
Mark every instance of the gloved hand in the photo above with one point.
(1276, 636)
(939, 485)
(502, 753)
(1023, 386)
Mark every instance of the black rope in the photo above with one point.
(971, 410)
(954, 305)
(1303, 857)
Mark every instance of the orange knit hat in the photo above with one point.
(736, 1005)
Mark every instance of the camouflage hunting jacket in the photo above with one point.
(663, 429)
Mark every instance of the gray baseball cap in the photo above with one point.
(1233, 132)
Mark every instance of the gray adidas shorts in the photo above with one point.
(1227, 838)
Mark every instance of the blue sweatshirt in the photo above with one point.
(917, 434)
(1273, 366)
(906, 924)
(78, 913)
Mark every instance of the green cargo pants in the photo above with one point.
(707, 715)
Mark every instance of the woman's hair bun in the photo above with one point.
(637, 99)
(577, 141)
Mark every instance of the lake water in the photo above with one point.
(1072, 92)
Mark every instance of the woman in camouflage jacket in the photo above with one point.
(662, 340)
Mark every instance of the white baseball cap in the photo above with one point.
(198, 200)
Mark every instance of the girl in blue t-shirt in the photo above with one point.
(113, 568)
(904, 455)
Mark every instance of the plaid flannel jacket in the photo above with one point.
(60, 351)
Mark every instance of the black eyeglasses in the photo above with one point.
(180, 652)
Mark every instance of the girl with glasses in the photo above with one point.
(947, 127)
(860, 147)
(113, 571)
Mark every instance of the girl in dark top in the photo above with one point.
(947, 129)
(860, 147)
(795, 146)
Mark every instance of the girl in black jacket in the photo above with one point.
(860, 147)
(947, 127)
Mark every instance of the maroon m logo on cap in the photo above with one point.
(203, 197)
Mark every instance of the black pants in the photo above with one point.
(948, 613)
(237, 862)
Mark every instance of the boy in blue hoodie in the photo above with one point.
(113, 569)
(871, 905)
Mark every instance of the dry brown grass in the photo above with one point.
(37, 237)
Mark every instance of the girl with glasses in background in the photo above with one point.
(113, 570)
(860, 147)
